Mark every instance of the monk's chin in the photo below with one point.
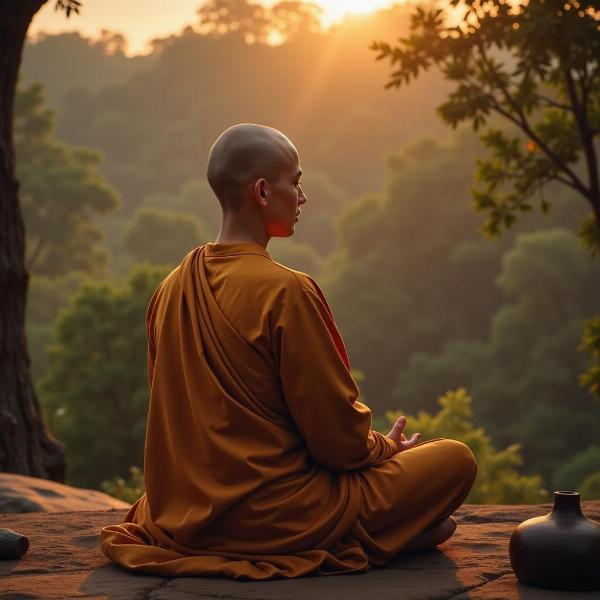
(284, 233)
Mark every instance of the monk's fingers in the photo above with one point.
(398, 436)
(414, 440)
(398, 428)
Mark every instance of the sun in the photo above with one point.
(336, 10)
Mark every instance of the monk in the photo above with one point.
(260, 461)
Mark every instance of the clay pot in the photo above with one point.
(560, 550)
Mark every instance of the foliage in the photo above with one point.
(256, 23)
(46, 297)
(194, 197)
(68, 6)
(535, 66)
(155, 143)
(590, 487)
(498, 480)
(61, 189)
(162, 236)
(93, 63)
(526, 365)
(590, 235)
(128, 490)
(94, 392)
(410, 273)
(571, 475)
(325, 201)
(301, 257)
(426, 375)
(49, 295)
(291, 19)
(591, 343)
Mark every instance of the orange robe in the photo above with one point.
(260, 462)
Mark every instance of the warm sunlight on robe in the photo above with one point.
(260, 462)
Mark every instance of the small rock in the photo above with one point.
(12, 544)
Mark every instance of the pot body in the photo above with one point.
(560, 550)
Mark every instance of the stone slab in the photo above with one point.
(64, 562)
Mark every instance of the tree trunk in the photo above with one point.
(26, 446)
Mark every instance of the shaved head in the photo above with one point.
(241, 155)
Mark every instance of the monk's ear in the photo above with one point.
(261, 191)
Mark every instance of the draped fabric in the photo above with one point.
(260, 461)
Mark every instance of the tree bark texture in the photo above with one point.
(26, 445)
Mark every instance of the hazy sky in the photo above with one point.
(142, 20)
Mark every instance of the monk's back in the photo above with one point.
(213, 328)
(253, 291)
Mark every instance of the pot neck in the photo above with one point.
(566, 504)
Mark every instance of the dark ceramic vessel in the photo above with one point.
(560, 550)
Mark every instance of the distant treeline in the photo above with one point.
(155, 117)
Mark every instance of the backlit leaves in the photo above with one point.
(68, 6)
(535, 66)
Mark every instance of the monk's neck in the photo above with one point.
(230, 234)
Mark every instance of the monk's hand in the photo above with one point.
(397, 434)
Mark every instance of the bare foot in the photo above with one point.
(435, 534)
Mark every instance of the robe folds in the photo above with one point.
(260, 461)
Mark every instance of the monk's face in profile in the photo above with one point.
(284, 199)
(255, 173)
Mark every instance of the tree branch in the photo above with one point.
(523, 123)
(553, 103)
(586, 135)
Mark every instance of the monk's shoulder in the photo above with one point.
(160, 290)
(170, 280)
(290, 283)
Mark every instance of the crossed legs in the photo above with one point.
(408, 499)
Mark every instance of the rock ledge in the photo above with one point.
(23, 494)
(64, 562)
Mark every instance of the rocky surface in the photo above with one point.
(22, 494)
(64, 561)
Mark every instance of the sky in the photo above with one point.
(142, 20)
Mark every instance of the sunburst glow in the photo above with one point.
(336, 10)
(141, 20)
